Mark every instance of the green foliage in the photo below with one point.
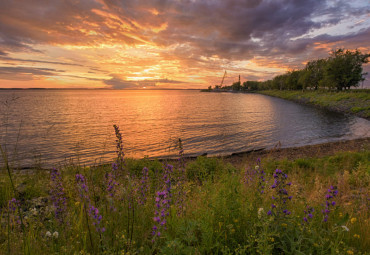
(204, 168)
(223, 212)
(236, 86)
(341, 70)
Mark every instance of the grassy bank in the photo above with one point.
(312, 206)
(355, 102)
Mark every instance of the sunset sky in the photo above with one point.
(170, 44)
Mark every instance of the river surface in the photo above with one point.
(49, 127)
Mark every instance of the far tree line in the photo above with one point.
(340, 71)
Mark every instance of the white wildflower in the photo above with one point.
(260, 212)
(56, 235)
(345, 228)
(257, 167)
(34, 211)
(48, 234)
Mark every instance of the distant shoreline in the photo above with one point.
(93, 89)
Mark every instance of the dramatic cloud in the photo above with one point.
(24, 73)
(118, 83)
(184, 40)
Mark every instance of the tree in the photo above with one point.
(293, 80)
(343, 69)
(312, 74)
(236, 86)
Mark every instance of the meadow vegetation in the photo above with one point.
(355, 102)
(204, 206)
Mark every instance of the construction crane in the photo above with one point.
(223, 79)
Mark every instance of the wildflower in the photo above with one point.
(57, 195)
(350, 252)
(111, 180)
(119, 144)
(180, 186)
(82, 186)
(353, 220)
(93, 212)
(345, 228)
(48, 234)
(55, 235)
(13, 204)
(260, 212)
(248, 176)
(96, 217)
(282, 195)
(356, 236)
(331, 193)
(162, 202)
(143, 186)
(308, 213)
(261, 176)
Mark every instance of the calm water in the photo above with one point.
(52, 126)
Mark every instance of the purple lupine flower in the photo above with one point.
(13, 204)
(111, 180)
(163, 202)
(249, 175)
(261, 175)
(331, 193)
(82, 187)
(281, 197)
(96, 217)
(181, 193)
(119, 145)
(308, 213)
(92, 211)
(144, 185)
(57, 195)
(162, 206)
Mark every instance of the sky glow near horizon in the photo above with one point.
(170, 44)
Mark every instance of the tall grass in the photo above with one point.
(133, 207)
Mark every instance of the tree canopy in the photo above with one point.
(341, 70)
